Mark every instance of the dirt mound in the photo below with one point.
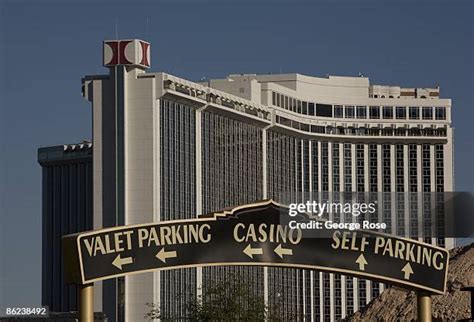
(396, 304)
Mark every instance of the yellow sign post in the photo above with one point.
(86, 303)
(423, 306)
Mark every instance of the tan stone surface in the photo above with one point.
(399, 305)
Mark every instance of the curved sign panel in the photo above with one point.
(252, 235)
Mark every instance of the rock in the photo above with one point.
(396, 304)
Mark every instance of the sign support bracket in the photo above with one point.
(86, 302)
(423, 300)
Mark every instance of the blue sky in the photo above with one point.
(47, 46)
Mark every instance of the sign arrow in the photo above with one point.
(249, 251)
(407, 270)
(162, 255)
(280, 251)
(362, 262)
(118, 262)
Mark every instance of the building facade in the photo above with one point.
(67, 209)
(168, 148)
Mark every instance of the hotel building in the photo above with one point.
(168, 148)
(67, 209)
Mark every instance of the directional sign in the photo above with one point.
(252, 235)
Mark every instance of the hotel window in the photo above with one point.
(401, 113)
(361, 112)
(337, 295)
(387, 210)
(286, 105)
(299, 166)
(428, 132)
(362, 294)
(307, 294)
(387, 132)
(305, 108)
(326, 297)
(439, 153)
(347, 167)
(324, 110)
(274, 98)
(299, 107)
(440, 113)
(440, 132)
(318, 129)
(296, 125)
(374, 132)
(399, 183)
(349, 295)
(284, 121)
(426, 184)
(386, 186)
(375, 289)
(400, 213)
(388, 112)
(414, 113)
(335, 168)
(427, 113)
(426, 163)
(317, 301)
(400, 131)
(387, 177)
(374, 112)
(305, 166)
(360, 168)
(440, 208)
(373, 164)
(350, 131)
(414, 132)
(413, 186)
(314, 165)
(311, 108)
(349, 112)
(338, 111)
(361, 131)
(324, 166)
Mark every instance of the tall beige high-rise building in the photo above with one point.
(169, 148)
